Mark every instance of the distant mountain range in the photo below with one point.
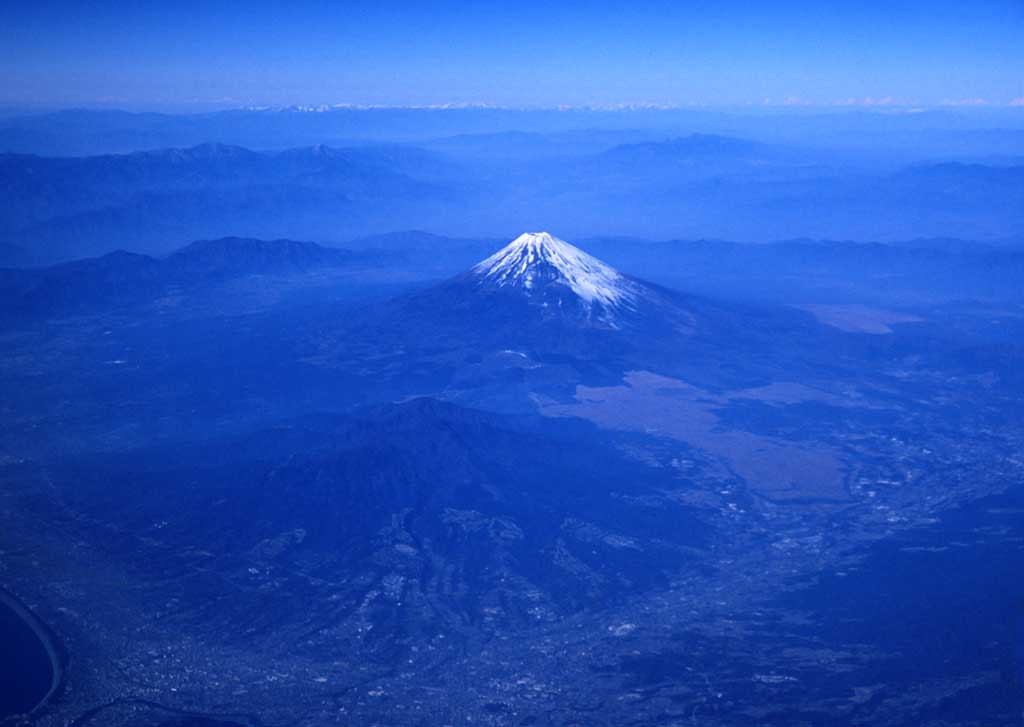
(594, 182)
(713, 152)
(121, 278)
(60, 208)
(84, 132)
(798, 271)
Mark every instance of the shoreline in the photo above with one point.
(46, 637)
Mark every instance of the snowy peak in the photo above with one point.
(537, 260)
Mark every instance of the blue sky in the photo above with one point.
(185, 55)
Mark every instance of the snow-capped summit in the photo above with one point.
(541, 293)
(539, 261)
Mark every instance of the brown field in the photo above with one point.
(775, 468)
(856, 318)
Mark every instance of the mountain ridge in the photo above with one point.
(123, 278)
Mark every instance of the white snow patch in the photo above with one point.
(622, 629)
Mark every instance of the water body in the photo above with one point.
(26, 667)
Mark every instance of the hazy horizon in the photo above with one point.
(730, 54)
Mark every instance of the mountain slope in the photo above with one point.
(460, 516)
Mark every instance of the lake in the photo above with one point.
(26, 672)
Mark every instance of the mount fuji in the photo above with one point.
(538, 282)
(540, 313)
(550, 271)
